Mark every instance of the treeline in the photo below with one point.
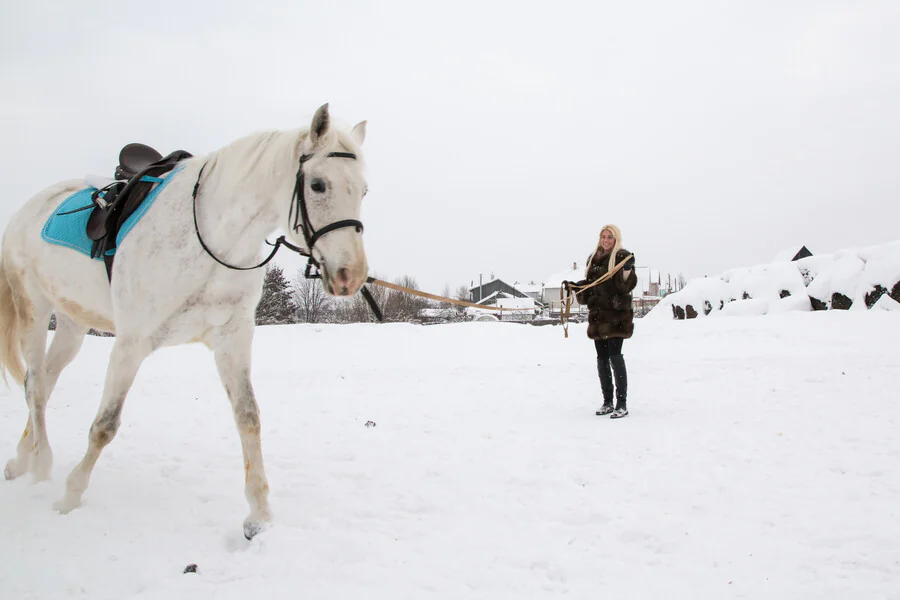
(302, 300)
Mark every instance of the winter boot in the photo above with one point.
(606, 385)
(619, 413)
(621, 377)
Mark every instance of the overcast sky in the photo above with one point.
(502, 135)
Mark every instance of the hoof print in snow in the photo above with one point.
(840, 302)
(370, 423)
(191, 568)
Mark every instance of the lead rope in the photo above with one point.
(407, 290)
(571, 290)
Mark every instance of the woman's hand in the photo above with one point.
(627, 268)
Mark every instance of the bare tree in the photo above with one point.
(312, 303)
(681, 281)
(446, 294)
(400, 306)
(395, 306)
(459, 312)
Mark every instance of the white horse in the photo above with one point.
(167, 289)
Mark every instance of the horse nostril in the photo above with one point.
(343, 276)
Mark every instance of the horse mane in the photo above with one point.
(263, 153)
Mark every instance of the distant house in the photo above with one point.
(480, 292)
(791, 254)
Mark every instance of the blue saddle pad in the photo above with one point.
(70, 230)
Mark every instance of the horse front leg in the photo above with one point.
(125, 359)
(232, 351)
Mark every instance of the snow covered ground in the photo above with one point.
(760, 460)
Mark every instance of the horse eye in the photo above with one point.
(317, 185)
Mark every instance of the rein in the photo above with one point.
(572, 289)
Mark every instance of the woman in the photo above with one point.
(610, 315)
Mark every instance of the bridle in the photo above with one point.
(301, 215)
(300, 222)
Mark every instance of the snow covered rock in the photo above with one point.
(835, 284)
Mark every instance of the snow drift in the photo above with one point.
(852, 279)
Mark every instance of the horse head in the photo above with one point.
(328, 193)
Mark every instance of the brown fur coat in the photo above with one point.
(610, 313)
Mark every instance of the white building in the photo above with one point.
(550, 292)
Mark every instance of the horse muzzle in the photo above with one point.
(347, 279)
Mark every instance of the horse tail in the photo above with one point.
(10, 350)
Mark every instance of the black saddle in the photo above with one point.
(134, 158)
(118, 201)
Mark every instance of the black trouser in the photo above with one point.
(609, 353)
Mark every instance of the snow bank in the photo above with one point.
(744, 308)
(880, 277)
(854, 279)
(834, 281)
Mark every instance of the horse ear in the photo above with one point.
(320, 123)
(359, 132)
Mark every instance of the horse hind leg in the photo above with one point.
(66, 343)
(33, 451)
(125, 360)
(65, 346)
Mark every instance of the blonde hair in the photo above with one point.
(615, 249)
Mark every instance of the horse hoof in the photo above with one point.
(11, 472)
(66, 505)
(253, 528)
